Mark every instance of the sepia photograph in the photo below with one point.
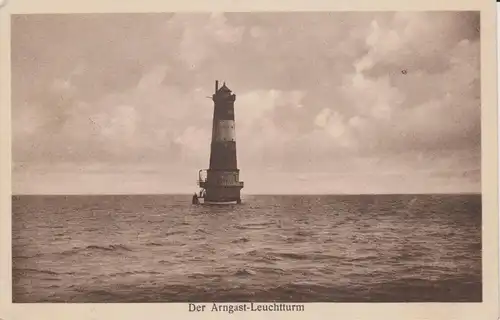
(357, 134)
(247, 161)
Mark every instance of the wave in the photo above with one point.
(275, 256)
(248, 253)
(40, 271)
(91, 229)
(271, 257)
(132, 273)
(261, 256)
(112, 247)
(255, 226)
(174, 233)
(245, 272)
(153, 244)
(199, 230)
(294, 240)
(240, 240)
(302, 233)
(204, 276)
(294, 256)
(273, 270)
(306, 256)
(117, 248)
(27, 257)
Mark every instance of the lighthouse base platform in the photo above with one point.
(201, 199)
(216, 203)
(219, 191)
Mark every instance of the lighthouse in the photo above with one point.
(220, 183)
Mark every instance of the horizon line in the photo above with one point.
(248, 194)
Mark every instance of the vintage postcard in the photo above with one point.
(289, 160)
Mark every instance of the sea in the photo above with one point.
(283, 248)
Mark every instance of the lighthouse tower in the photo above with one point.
(221, 183)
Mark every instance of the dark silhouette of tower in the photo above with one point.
(222, 183)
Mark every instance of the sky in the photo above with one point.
(330, 103)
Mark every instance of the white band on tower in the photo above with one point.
(224, 131)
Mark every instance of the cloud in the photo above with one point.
(318, 94)
(200, 36)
